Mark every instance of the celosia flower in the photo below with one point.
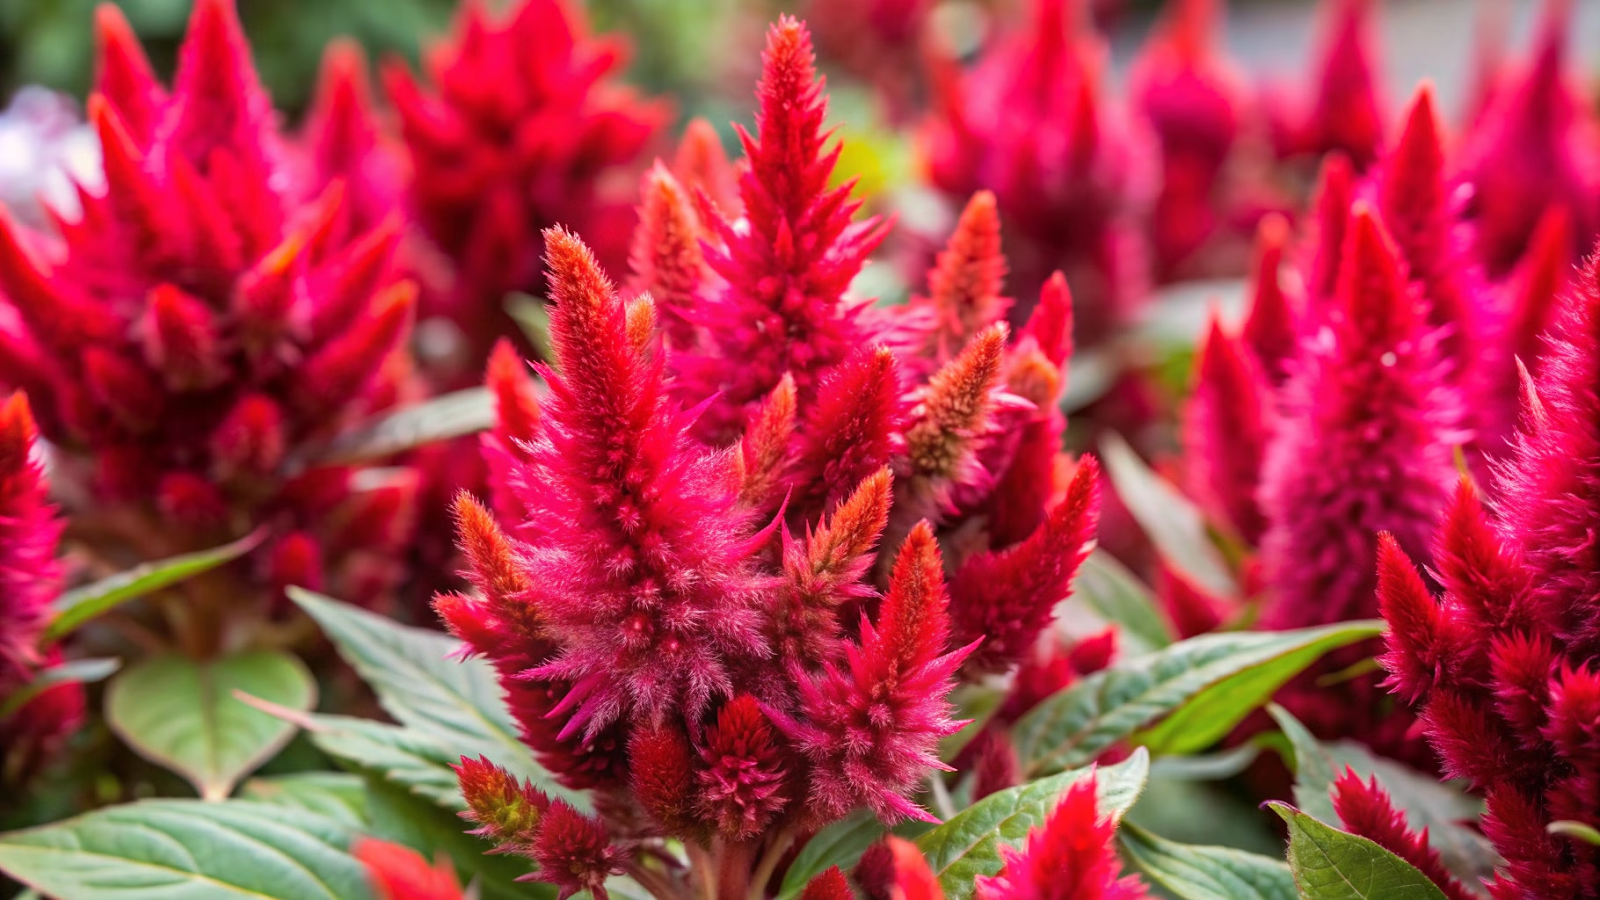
(400, 873)
(1194, 101)
(1072, 856)
(871, 728)
(825, 570)
(830, 885)
(1366, 810)
(1501, 667)
(1345, 112)
(1533, 149)
(29, 581)
(1227, 425)
(1029, 124)
(1364, 444)
(667, 260)
(1330, 214)
(205, 325)
(787, 263)
(742, 772)
(1272, 327)
(527, 129)
(911, 878)
(965, 284)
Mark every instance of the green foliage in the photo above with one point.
(1205, 873)
(184, 714)
(1204, 687)
(969, 844)
(1329, 864)
(1117, 596)
(1169, 519)
(188, 850)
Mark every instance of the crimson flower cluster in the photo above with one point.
(1501, 667)
(30, 578)
(756, 531)
(210, 318)
(525, 127)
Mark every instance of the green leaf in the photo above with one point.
(404, 819)
(1117, 596)
(1329, 864)
(77, 606)
(840, 844)
(407, 757)
(1193, 872)
(1204, 686)
(533, 318)
(74, 671)
(183, 714)
(969, 844)
(456, 703)
(452, 415)
(338, 796)
(1171, 522)
(1426, 803)
(187, 850)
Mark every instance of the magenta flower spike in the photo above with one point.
(1345, 112)
(1072, 856)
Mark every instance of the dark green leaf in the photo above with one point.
(187, 850)
(1204, 686)
(1171, 522)
(1578, 831)
(183, 714)
(421, 681)
(1116, 595)
(1193, 872)
(79, 605)
(840, 844)
(969, 844)
(74, 671)
(1329, 864)
(407, 757)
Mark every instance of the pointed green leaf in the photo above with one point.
(338, 796)
(1329, 864)
(1203, 686)
(187, 850)
(1193, 872)
(73, 671)
(1167, 517)
(79, 605)
(1117, 596)
(421, 680)
(183, 715)
(969, 844)
(407, 757)
(840, 844)
(1440, 808)
(1578, 831)
(449, 416)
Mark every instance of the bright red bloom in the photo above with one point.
(826, 570)
(667, 260)
(1366, 810)
(1007, 598)
(345, 142)
(1272, 327)
(1533, 150)
(1226, 429)
(871, 728)
(1194, 100)
(965, 283)
(1330, 214)
(1073, 856)
(787, 264)
(400, 873)
(1029, 124)
(1364, 444)
(911, 878)
(852, 429)
(1345, 112)
(743, 770)
(1502, 667)
(527, 129)
(830, 885)
(206, 323)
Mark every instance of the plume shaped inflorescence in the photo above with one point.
(211, 317)
(525, 128)
(1501, 667)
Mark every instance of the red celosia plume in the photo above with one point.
(1072, 856)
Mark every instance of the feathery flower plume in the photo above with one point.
(1346, 111)
(965, 283)
(852, 429)
(1227, 426)
(1330, 214)
(788, 262)
(526, 128)
(401, 873)
(1072, 856)
(205, 324)
(825, 571)
(830, 885)
(1533, 149)
(1194, 100)
(667, 261)
(344, 141)
(1501, 668)
(1272, 327)
(702, 165)
(743, 770)
(871, 728)
(1029, 124)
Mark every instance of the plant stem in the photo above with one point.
(776, 848)
(660, 885)
(702, 871)
(942, 803)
